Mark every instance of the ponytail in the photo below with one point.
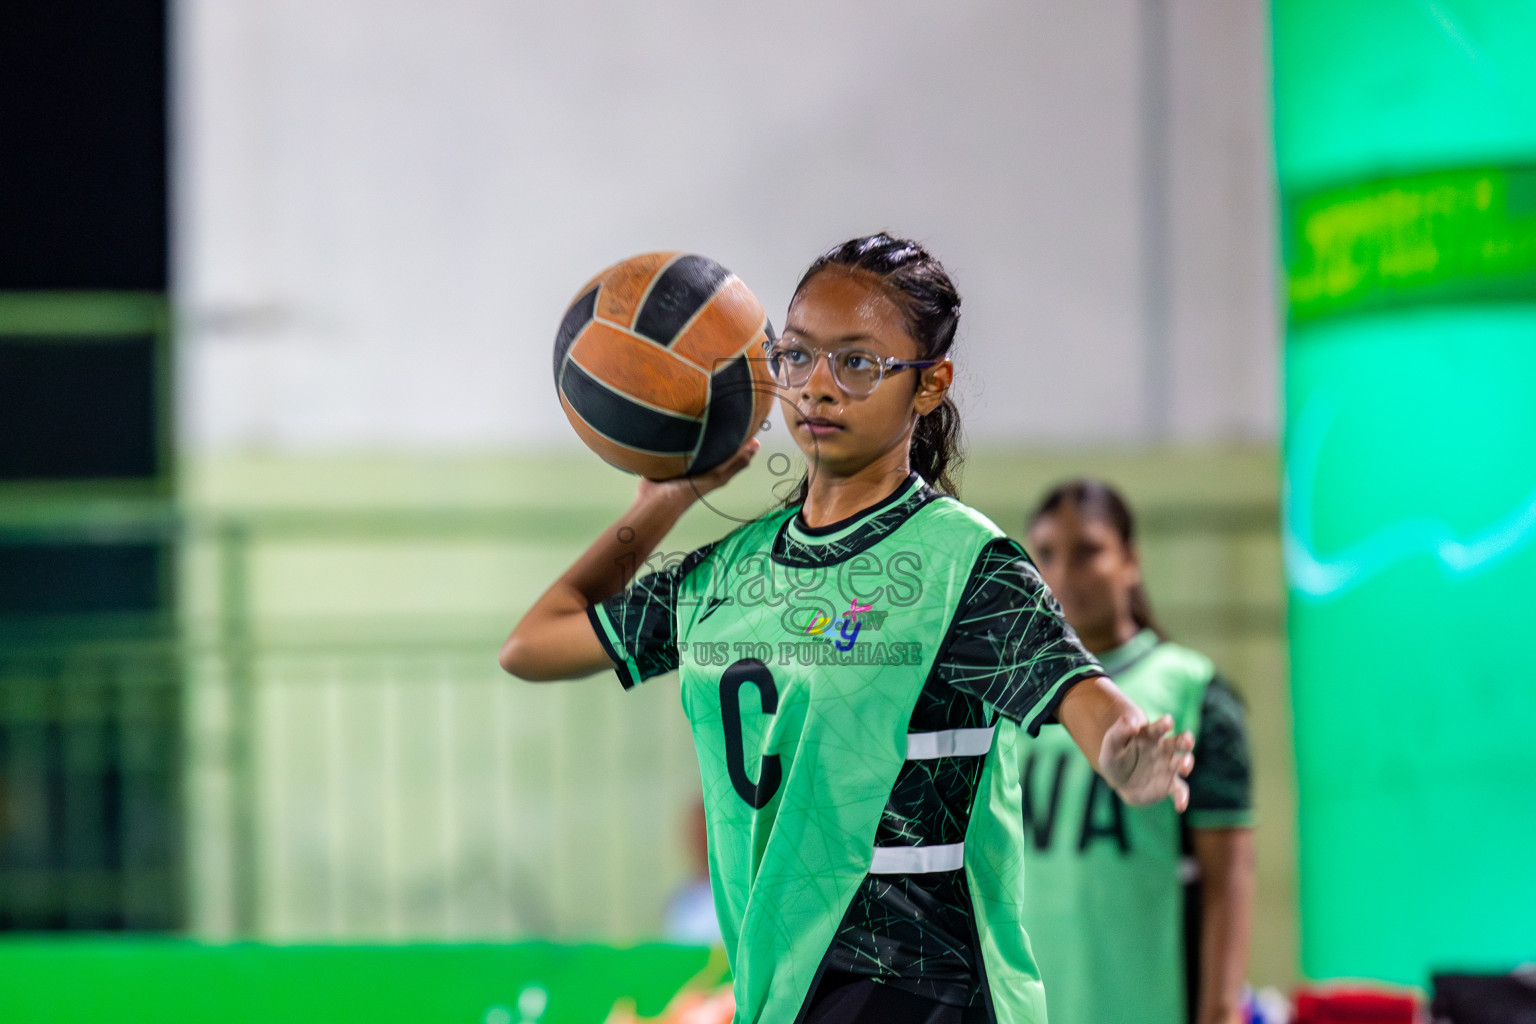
(936, 454)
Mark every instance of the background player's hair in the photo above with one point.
(921, 289)
(1099, 500)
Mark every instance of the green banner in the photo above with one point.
(1406, 147)
(94, 981)
(1448, 236)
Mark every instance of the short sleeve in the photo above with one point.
(1221, 784)
(638, 626)
(1008, 644)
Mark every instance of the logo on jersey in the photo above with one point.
(824, 640)
(842, 630)
(714, 605)
(845, 627)
(821, 634)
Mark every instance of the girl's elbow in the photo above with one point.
(516, 660)
(545, 652)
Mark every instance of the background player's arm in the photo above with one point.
(1226, 912)
(1221, 836)
(1143, 761)
(555, 640)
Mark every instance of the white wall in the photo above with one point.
(384, 205)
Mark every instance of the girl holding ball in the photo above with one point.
(861, 784)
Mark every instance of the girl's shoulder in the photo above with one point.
(949, 513)
(752, 534)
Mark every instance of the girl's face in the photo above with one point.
(1088, 568)
(842, 433)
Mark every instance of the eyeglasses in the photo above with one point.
(857, 371)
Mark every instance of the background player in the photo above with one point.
(861, 782)
(1106, 911)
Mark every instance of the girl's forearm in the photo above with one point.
(555, 640)
(1089, 710)
(614, 558)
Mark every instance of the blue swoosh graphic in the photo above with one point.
(1317, 576)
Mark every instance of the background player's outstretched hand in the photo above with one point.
(1147, 762)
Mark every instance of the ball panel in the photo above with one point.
(677, 294)
(625, 284)
(656, 467)
(765, 390)
(729, 422)
(641, 370)
(730, 324)
(576, 317)
(620, 418)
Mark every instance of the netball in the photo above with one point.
(659, 364)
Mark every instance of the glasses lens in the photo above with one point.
(790, 364)
(856, 370)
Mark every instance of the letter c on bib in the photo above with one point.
(748, 670)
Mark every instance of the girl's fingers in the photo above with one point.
(1166, 758)
(722, 473)
(1170, 744)
(743, 456)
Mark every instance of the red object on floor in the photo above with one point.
(1355, 1006)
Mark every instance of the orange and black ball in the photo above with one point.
(660, 364)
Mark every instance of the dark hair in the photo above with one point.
(921, 289)
(1099, 500)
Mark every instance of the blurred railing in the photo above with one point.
(380, 776)
(354, 764)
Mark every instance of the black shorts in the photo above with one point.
(852, 999)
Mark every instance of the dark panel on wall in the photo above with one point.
(83, 145)
(78, 408)
(90, 762)
(90, 672)
(76, 579)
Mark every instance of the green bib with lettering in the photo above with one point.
(800, 681)
(1104, 900)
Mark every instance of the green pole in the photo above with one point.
(234, 559)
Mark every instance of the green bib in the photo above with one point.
(800, 682)
(1104, 901)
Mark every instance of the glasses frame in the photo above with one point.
(886, 364)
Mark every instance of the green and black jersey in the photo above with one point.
(1104, 901)
(857, 694)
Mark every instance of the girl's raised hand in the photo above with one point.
(1147, 762)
